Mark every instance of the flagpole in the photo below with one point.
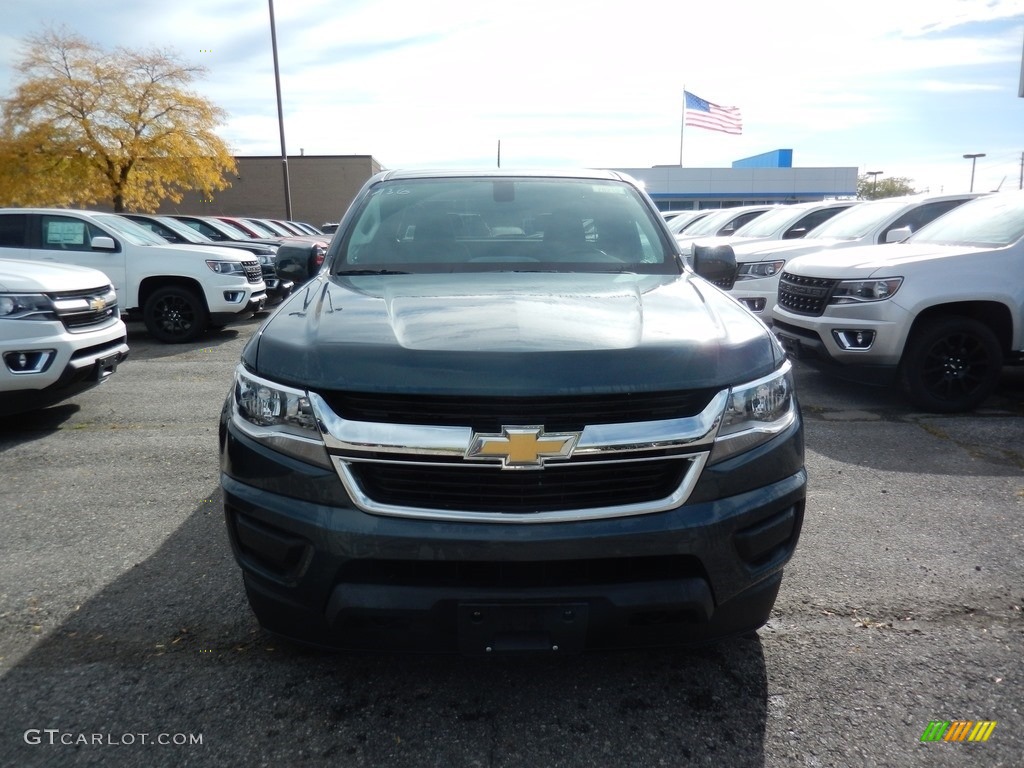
(682, 128)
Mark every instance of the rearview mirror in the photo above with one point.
(900, 233)
(104, 243)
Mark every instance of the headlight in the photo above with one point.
(226, 267)
(277, 416)
(26, 306)
(857, 291)
(755, 270)
(755, 413)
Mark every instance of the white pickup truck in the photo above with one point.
(940, 312)
(60, 333)
(178, 291)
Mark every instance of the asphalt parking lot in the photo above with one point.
(123, 623)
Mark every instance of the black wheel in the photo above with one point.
(951, 364)
(175, 315)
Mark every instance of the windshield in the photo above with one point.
(229, 229)
(264, 228)
(184, 230)
(770, 222)
(859, 220)
(678, 223)
(504, 224)
(711, 223)
(134, 233)
(992, 221)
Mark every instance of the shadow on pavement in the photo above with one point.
(171, 648)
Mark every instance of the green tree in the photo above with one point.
(877, 187)
(84, 124)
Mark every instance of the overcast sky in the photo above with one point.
(906, 87)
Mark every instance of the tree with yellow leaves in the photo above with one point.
(123, 126)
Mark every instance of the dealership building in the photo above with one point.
(322, 186)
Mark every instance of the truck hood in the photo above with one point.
(178, 250)
(874, 260)
(511, 333)
(20, 276)
(765, 250)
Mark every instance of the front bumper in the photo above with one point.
(819, 340)
(78, 362)
(255, 303)
(758, 296)
(319, 570)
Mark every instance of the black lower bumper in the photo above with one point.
(599, 616)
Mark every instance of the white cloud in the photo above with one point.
(908, 85)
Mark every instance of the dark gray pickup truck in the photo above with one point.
(506, 417)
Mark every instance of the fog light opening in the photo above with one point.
(29, 361)
(754, 305)
(233, 297)
(854, 339)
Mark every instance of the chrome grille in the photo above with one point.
(805, 295)
(431, 472)
(79, 310)
(253, 271)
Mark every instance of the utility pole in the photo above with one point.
(280, 117)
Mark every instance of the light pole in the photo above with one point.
(280, 116)
(974, 159)
(874, 180)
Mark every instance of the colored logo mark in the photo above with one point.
(958, 730)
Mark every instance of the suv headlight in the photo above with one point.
(226, 267)
(278, 417)
(26, 306)
(755, 413)
(755, 270)
(858, 291)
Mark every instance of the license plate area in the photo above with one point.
(487, 628)
(105, 366)
(791, 345)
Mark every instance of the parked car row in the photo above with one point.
(297, 256)
(761, 260)
(939, 312)
(69, 279)
(923, 291)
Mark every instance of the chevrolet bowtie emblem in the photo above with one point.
(522, 447)
(97, 305)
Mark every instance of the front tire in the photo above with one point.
(175, 315)
(952, 364)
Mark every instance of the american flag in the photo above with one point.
(704, 114)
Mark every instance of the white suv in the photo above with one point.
(178, 291)
(871, 222)
(60, 333)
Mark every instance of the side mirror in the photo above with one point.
(104, 243)
(896, 235)
(716, 264)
